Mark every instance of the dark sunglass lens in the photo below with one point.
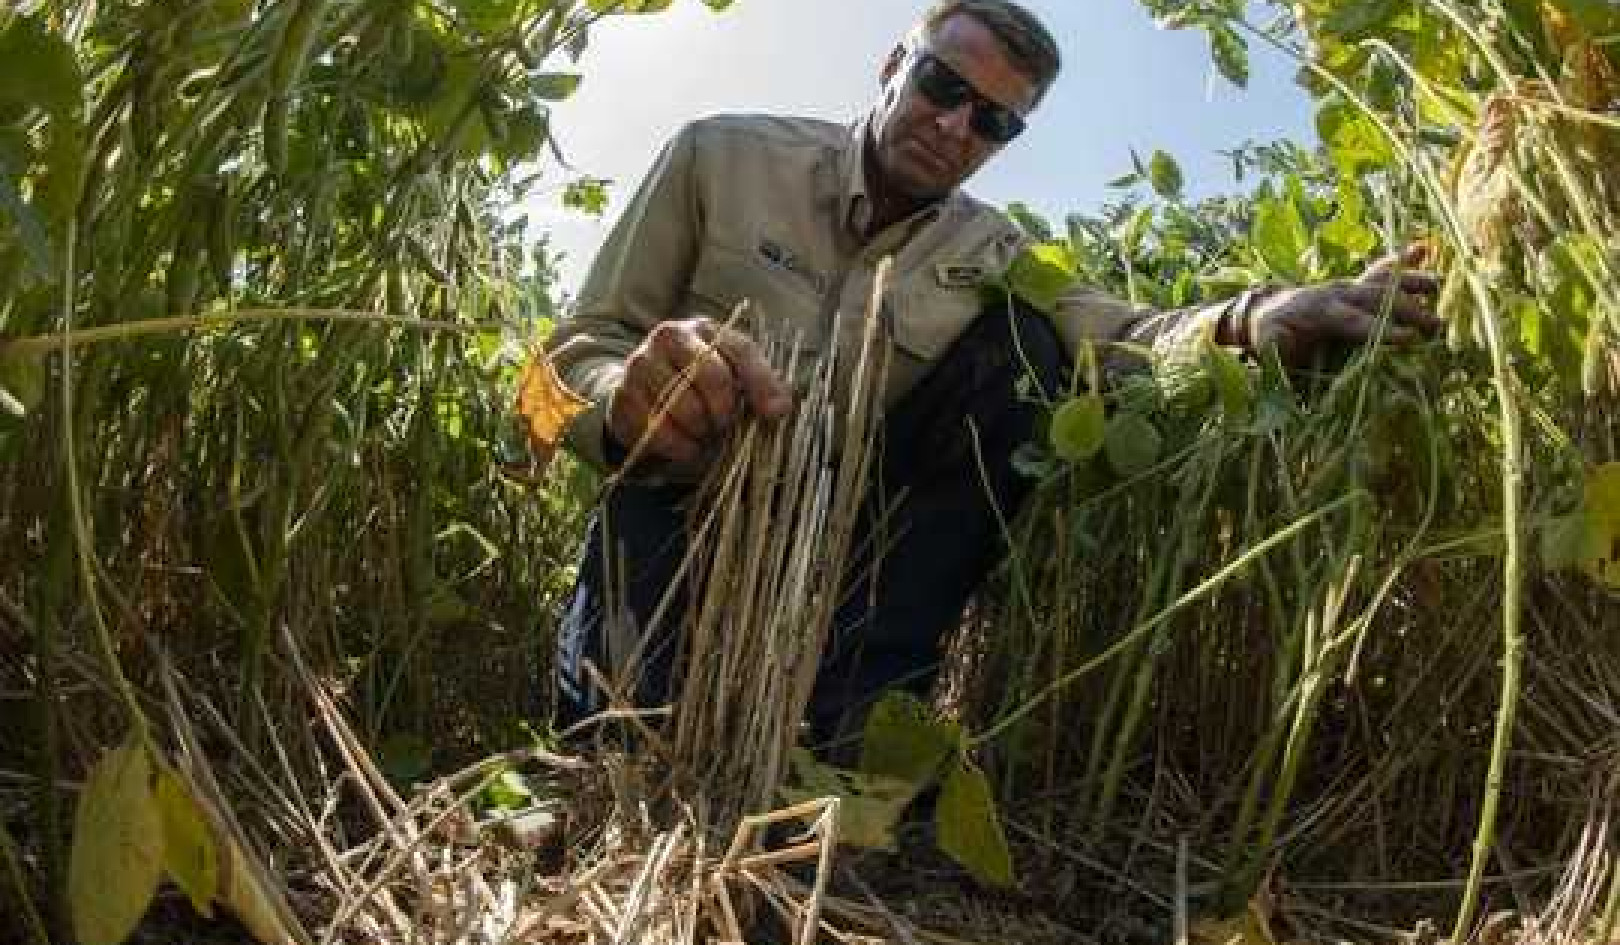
(996, 123)
(940, 83)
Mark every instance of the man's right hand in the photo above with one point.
(684, 386)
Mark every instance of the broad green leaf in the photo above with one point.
(405, 759)
(117, 848)
(1031, 222)
(1041, 274)
(1230, 53)
(1279, 237)
(1132, 443)
(1348, 232)
(489, 16)
(1165, 175)
(1227, 281)
(22, 382)
(588, 195)
(1351, 137)
(969, 826)
(904, 739)
(1233, 385)
(554, 86)
(871, 804)
(1078, 427)
(1136, 229)
(1352, 19)
(507, 791)
(190, 855)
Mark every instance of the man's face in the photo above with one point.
(925, 150)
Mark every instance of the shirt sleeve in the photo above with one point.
(639, 278)
(1131, 331)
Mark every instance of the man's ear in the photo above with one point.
(891, 65)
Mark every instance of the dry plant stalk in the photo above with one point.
(768, 555)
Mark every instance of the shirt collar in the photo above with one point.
(854, 204)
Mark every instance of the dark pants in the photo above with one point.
(936, 527)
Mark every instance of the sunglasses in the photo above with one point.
(944, 88)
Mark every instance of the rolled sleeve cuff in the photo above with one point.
(587, 433)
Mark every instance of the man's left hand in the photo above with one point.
(1307, 321)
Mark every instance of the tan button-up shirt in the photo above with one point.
(772, 210)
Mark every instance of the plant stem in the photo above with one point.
(41, 344)
(1146, 628)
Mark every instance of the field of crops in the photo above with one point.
(1277, 655)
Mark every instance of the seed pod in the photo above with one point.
(296, 41)
(398, 302)
(1594, 366)
(222, 239)
(275, 136)
(420, 255)
(1456, 309)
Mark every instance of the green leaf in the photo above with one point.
(1078, 427)
(22, 381)
(1353, 19)
(554, 86)
(1041, 275)
(405, 759)
(508, 791)
(588, 195)
(1280, 238)
(970, 828)
(1600, 557)
(1132, 444)
(190, 855)
(1165, 176)
(904, 740)
(490, 16)
(871, 805)
(1232, 382)
(1031, 222)
(1600, 17)
(1351, 137)
(117, 848)
(1230, 53)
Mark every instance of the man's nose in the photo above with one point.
(958, 121)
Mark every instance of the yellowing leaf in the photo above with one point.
(546, 406)
(969, 827)
(1078, 426)
(1246, 929)
(904, 740)
(872, 804)
(117, 848)
(1601, 558)
(242, 884)
(189, 853)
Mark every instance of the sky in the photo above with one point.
(1125, 84)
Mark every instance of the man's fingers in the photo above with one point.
(707, 377)
(641, 427)
(764, 391)
(1410, 308)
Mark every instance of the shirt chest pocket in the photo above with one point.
(925, 320)
(780, 302)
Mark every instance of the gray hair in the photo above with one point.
(1029, 43)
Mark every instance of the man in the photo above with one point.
(793, 215)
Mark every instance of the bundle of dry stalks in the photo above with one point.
(768, 557)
